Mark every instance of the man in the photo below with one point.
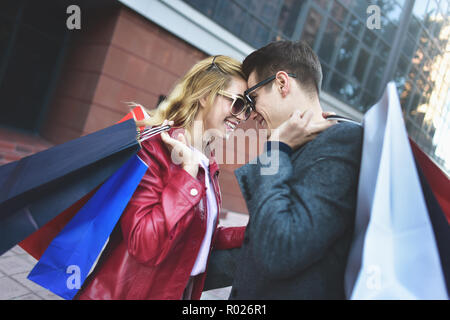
(301, 218)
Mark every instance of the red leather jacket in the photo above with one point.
(152, 250)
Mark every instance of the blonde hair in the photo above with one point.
(204, 80)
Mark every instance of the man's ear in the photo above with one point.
(282, 83)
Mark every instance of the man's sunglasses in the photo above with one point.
(247, 92)
(238, 104)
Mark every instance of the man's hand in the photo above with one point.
(299, 129)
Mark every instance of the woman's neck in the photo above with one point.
(195, 135)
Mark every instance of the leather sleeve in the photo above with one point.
(160, 210)
(229, 238)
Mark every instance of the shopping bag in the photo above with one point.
(37, 243)
(37, 188)
(70, 257)
(394, 253)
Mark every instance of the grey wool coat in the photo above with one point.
(301, 221)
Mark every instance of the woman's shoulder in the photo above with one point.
(155, 150)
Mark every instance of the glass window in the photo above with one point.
(204, 6)
(367, 101)
(32, 17)
(383, 49)
(391, 10)
(376, 74)
(443, 5)
(360, 8)
(388, 29)
(346, 53)
(409, 47)
(311, 27)
(325, 73)
(329, 41)
(355, 25)
(255, 33)
(6, 28)
(414, 27)
(347, 90)
(34, 55)
(289, 15)
(266, 10)
(418, 57)
(413, 72)
(361, 65)
(437, 27)
(432, 9)
(420, 8)
(322, 3)
(400, 72)
(230, 16)
(338, 12)
(10, 9)
(369, 38)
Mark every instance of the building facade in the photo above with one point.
(58, 83)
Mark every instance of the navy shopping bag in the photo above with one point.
(68, 260)
(37, 188)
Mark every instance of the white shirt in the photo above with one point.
(200, 263)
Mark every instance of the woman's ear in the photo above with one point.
(203, 102)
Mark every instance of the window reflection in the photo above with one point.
(408, 46)
(230, 16)
(329, 41)
(369, 37)
(376, 73)
(264, 9)
(414, 27)
(355, 25)
(338, 12)
(311, 28)
(322, 3)
(345, 53)
(344, 88)
(289, 15)
(204, 6)
(361, 65)
(255, 33)
(362, 54)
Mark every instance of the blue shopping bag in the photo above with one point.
(68, 260)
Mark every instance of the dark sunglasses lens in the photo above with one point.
(248, 112)
(238, 106)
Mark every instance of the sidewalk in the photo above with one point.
(16, 264)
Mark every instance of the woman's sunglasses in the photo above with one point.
(238, 104)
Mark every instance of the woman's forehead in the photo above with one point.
(237, 85)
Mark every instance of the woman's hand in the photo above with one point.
(299, 129)
(181, 153)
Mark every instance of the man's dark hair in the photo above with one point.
(288, 56)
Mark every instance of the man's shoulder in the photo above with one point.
(341, 139)
(343, 132)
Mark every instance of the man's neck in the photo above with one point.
(303, 103)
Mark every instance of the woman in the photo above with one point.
(160, 248)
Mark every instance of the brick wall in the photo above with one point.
(15, 145)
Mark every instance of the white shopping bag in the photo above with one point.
(394, 253)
